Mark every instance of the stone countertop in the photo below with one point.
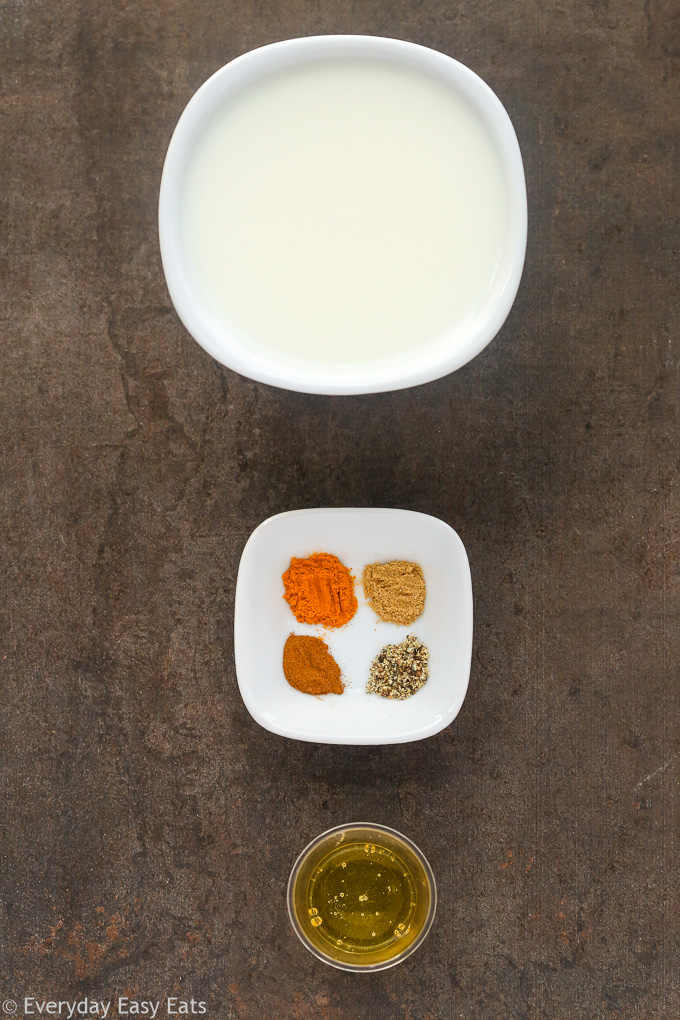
(149, 823)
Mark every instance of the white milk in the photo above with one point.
(345, 210)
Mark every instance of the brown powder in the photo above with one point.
(396, 590)
(309, 666)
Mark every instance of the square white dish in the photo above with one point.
(357, 536)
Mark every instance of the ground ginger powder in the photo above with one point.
(396, 590)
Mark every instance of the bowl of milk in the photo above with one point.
(343, 214)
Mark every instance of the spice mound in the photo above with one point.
(309, 666)
(320, 589)
(396, 590)
(398, 671)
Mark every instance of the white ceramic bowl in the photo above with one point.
(416, 366)
(263, 621)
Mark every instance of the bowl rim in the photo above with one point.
(431, 729)
(331, 378)
(411, 948)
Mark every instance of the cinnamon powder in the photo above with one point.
(309, 666)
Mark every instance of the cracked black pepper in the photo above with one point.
(398, 671)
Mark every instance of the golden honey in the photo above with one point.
(361, 897)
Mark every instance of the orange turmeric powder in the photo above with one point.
(320, 589)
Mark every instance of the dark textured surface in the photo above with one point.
(149, 825)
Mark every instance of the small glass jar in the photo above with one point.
(318, 916)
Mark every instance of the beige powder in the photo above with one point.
(396, 590)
